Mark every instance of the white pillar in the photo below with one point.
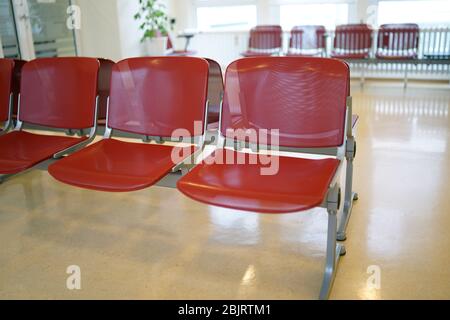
(24, 33)
(2, 55)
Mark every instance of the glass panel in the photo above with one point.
(51, 36)
(328, 15)
(8, 32)
(226, 18)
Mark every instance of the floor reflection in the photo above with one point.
(231, 227)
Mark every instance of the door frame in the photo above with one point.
(2, 55)
(21, 15)
(23, 29)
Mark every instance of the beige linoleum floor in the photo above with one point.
(158, 244)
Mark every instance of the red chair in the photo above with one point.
(307, 41)
(56, 93)
(265, 41)
(178, 53)
(215, 93)
(104, 82)
(352, 41)
(398, 41)
(307, 100)
(150, 97)
(6, 73)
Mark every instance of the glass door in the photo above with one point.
(37, 28)
(9, 42)
(52, 36)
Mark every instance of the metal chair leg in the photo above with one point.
(334, 252)
(349, 198)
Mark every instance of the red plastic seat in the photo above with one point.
(22, 150)
(6, 70)
(305, 98)
(300, 184)
(112, 165)
(152, 97)
(57, 93)
(104, 82)
(352, 41)
(398, 41)
(307, 41)
(264, 41)
(215, 91)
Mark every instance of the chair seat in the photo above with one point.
(387, 56)
(293, 54)
(182, 53)
(300, 184)
(337, 55)
(250, 53)
(116, 166)
(20, 150)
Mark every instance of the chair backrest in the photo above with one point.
(154, 96)
(303, 97)
(399, 38)
(215, 90)
(17, 75)
(59, 92)
(353, 38)
(104, 83)
(6, 71)
(266, 39)
(307, 39)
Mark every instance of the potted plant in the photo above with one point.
(154, 26)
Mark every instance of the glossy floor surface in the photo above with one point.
(158, 244)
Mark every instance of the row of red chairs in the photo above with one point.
(353, 41)
(306, 99)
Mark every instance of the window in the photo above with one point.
(8, 31)
(226, 18)
(423, 12)
(326, 14)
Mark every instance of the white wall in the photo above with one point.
(129, 32)
(108, 29)
(99, 33)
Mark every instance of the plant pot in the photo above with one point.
(156, 46)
